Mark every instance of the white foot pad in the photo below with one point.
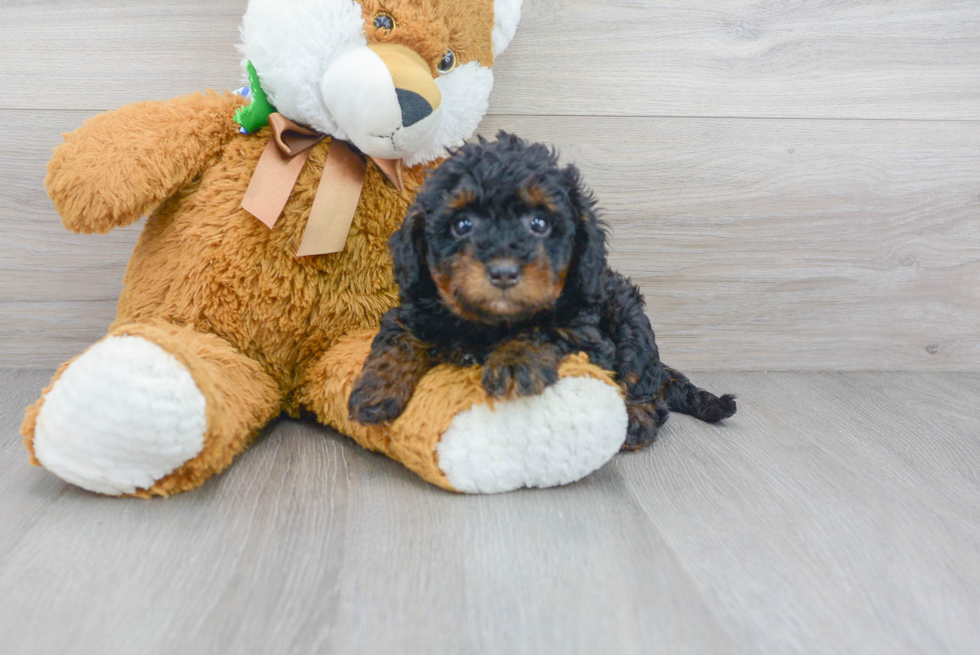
(124, 415)
(561, 436)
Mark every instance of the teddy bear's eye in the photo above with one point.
(447, 63)
(384, 21)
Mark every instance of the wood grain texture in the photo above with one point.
(821, 59)
(792, 245)
(26, 496)
(836, 513)
(761, 244)
(862, 487)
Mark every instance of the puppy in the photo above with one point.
(501, 262)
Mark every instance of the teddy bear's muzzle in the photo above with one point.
(384, 98)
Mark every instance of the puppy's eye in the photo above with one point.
(462, 227)
(384, 21)
(539, 226)
(447, 63)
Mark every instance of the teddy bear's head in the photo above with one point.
(400, 79)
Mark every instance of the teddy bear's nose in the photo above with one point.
(414, 107)
(417, 93)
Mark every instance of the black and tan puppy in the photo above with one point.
(502, 262)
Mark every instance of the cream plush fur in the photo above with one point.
(508, 16)
(152, 396)
(315, 65)
(541, 442)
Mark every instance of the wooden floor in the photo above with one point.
(837, 513)
(794, 185)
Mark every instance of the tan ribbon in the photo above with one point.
(337, 195)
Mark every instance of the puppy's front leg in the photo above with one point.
(397, 362)
(521, 367)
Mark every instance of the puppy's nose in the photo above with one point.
(504, 274)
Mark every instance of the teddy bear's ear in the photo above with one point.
(507, 15)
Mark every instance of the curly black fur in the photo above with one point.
(501, 262)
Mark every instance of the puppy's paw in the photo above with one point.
(373, 402)
(645, 419)
(521, 368)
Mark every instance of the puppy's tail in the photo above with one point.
(685, 398)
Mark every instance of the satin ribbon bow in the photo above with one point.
(337, 195)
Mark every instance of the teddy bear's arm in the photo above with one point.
(121, 165)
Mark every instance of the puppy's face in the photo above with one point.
(500, 255)
(499, 233)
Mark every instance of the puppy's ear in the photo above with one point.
(408, 252)
(589, 259)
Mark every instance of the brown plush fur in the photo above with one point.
(283, 312)
(239, 284)
(442, 394)
(241, 399)
(259, 329)
(122, 164)
(431, 27)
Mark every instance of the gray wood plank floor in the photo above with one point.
(837, 513)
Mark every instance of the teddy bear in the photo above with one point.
(261, 275)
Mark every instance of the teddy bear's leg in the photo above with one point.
(455, 436)
(151, 410)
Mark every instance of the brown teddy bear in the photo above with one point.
(263, 270)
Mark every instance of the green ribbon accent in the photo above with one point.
(255, 116)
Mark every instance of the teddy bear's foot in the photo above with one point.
(153, 409)
(122, 416)
(456, 436)
(553, 439)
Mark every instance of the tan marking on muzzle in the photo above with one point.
(466, 290)
(409, 71)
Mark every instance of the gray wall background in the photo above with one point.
(796, 185)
